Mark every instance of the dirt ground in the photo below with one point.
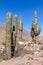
(25, 60)
(35, 58)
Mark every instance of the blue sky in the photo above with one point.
(25, 8)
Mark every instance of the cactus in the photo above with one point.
(35, 18)
(21, 28)
(32, 33)
(15, 32)
(8, 34)
(15, 23)
(35, 30)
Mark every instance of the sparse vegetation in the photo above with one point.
(23, 51)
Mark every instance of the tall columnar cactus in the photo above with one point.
(15, 23)
(35, 30)
(15, 32)
(8, 34)
(35, 18)
(21, 28)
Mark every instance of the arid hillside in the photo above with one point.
(26, 34)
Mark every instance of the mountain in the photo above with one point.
(2, 27)
(26, 34)
(2, 33)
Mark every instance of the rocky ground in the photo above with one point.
(26, 56)
(25, 60)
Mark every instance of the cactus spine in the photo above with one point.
(21, 28)
(8, 34)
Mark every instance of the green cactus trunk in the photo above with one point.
(20, 35)
(35, 30)
(14, 41)
(15, 24)
(21, 28)
(8, 34)
(14, 33)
